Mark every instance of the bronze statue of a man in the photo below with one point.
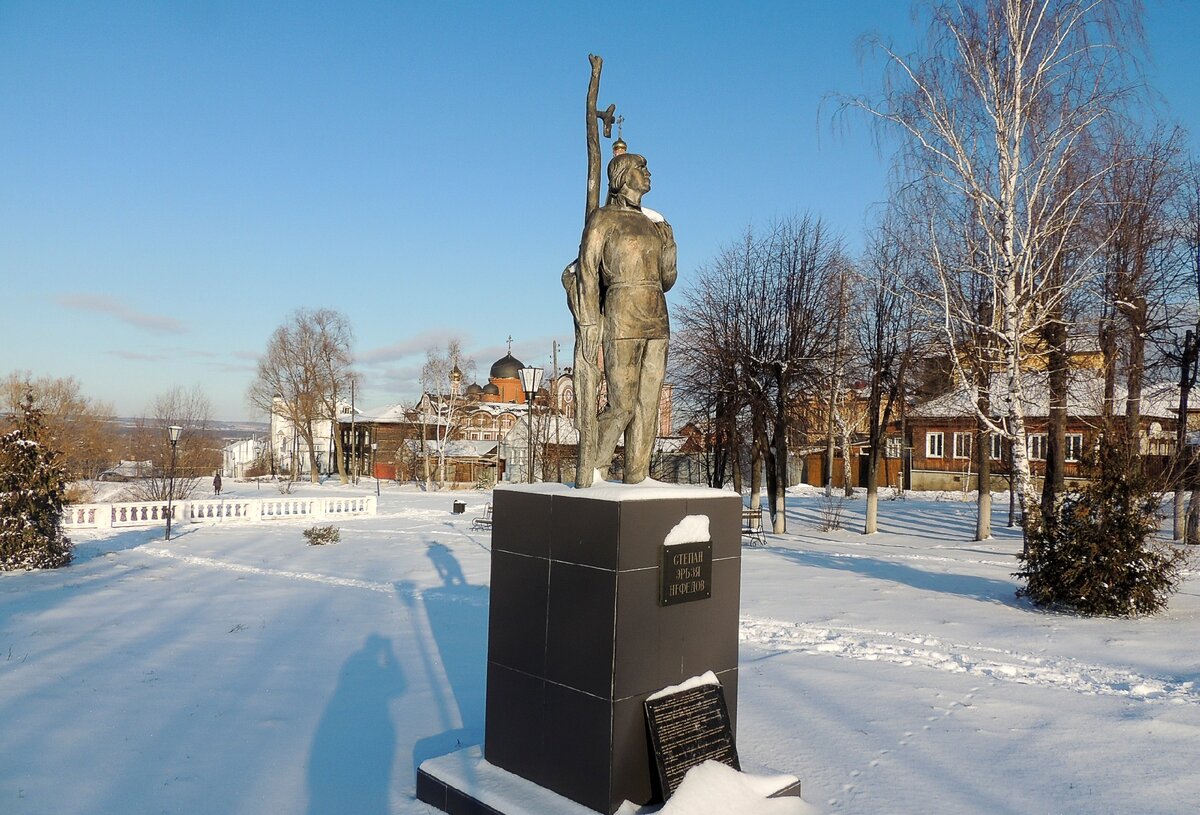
(626, 264)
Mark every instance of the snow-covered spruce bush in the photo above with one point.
(321, 535)
(1097, 554)
(32, 488)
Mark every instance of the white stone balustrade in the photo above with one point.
(131, 514)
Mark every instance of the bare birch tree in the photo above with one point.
(443, 401)
(993, 110)
(333, 340)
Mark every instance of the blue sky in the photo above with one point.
(175, 178)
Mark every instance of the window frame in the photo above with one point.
(1078, 448)
(996, 446)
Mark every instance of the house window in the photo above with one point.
(1074, 446)
(996, 442)
(892, 447)
(962, 445)
(934, 443)
(1037, 447)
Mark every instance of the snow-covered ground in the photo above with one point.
(239, 670)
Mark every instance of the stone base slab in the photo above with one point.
(462, 783)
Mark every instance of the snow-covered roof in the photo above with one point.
(400, 413)
(496, 408)
(1085, 397)
(553, 428)
(455, 448)
(130, 469)
(392, 414)
(669, 444)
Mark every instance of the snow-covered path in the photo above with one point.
(238, 670)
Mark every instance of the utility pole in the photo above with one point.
(834, 383)
(555, 411)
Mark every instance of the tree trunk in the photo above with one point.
(1108, 357)
(1193, 518)
(1022, 476)
(1012, 489)
(735, 463)
(313, 466)
(427, 459)
(847, 473)
(1137, 364)
(871, 524)
(1055, 334)
(759, 462)
(1178, 513)
(777, 478)
(1183, 461)
(983, 458)
(339, 451)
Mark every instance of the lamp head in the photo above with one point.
(531, 379)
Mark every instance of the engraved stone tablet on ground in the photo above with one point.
(686, 729)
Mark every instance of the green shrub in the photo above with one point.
(1096, 554)
(321, 535)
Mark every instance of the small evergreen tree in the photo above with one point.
(1095, 553)
(32, 488)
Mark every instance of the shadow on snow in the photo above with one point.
(457, 614)
(986, 589)
(350, 764)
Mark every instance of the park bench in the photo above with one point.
(484, 521)
(752, 526)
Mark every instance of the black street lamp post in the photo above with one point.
(173, 434)
(374, 448)
(531, 380)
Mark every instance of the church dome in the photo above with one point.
(473, 389)
(507, 367)
(491, 390)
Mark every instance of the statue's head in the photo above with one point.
(627, 172)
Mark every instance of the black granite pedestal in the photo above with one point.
(579, 634)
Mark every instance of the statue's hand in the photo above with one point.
(589, 342)
(665, 232)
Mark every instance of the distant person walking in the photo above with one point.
(217, 484)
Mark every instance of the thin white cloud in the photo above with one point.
(417, 344)
(139, 356)
(103, 304)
